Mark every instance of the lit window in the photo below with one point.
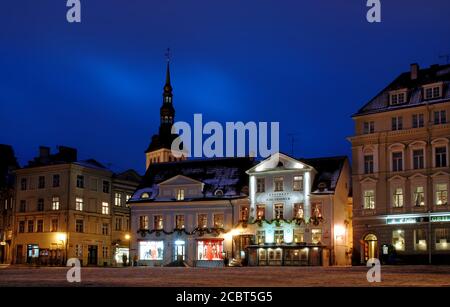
(260, 185)
(209, 250)
(218, 220)
(316, 210)
(118, 199)
(180, 194)
(441, 194)
(202, 221)
(316, 236)
(260, 212)
(298, 211)
(143, 222)
(158, 222)
(179, 221)
(369, 199)
(244, 213)
(54, 225)
(105, 208)
(299, 235)
(278, 211)
(398, 198)
(442, 236)
(398, 239)
(151, 250)
(55, 203)
(420, 240)
(79, 204)
(261, 236)
(278, 236)
(419, 197)
(278, 184)
(298, 183)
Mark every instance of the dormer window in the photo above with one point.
(145, 195)
(433, 91)
(397, 97)
(218, 193)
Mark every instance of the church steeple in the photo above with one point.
(159, 149)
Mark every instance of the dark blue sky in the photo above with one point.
(308, 64)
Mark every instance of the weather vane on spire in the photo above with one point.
(168, 54)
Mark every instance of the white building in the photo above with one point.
(300, 212)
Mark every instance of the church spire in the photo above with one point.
(168, 85)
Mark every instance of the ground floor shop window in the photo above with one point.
(209, 250)
(151, 250)
(398, 239)
(121, 255)
(442, 238)
(32, 253)
(296, 256)
(420, 240)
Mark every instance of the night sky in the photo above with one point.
(97, 86)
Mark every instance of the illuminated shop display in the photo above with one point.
(209, 250)
(151, 250)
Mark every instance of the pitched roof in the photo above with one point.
(433, 74)
(328, 172)
(226, 174)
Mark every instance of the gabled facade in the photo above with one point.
(299, 213)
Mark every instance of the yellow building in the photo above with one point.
(401, 172)
(64, 210)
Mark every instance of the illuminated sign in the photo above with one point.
(442, 218)
(406, 220)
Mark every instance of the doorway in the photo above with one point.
(179, 253)
(92, 254)
(370, 247)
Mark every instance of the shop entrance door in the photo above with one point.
(370, 247)
(92, 255)
(179, 254)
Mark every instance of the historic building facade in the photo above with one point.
(184, 211)
(64, 210)
(300, 212)
(8, 164)
(401, 171)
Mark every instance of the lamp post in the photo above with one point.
(128, 238)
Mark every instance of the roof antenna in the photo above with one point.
(293, 139)
(446, 57)
(168, 54)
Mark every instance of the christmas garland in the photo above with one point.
(200, 231)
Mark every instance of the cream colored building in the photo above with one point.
(64, 210)
(401, 172)
(299, 212)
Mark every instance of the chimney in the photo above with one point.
(44, 152)
(67, 154)
(414, 71)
